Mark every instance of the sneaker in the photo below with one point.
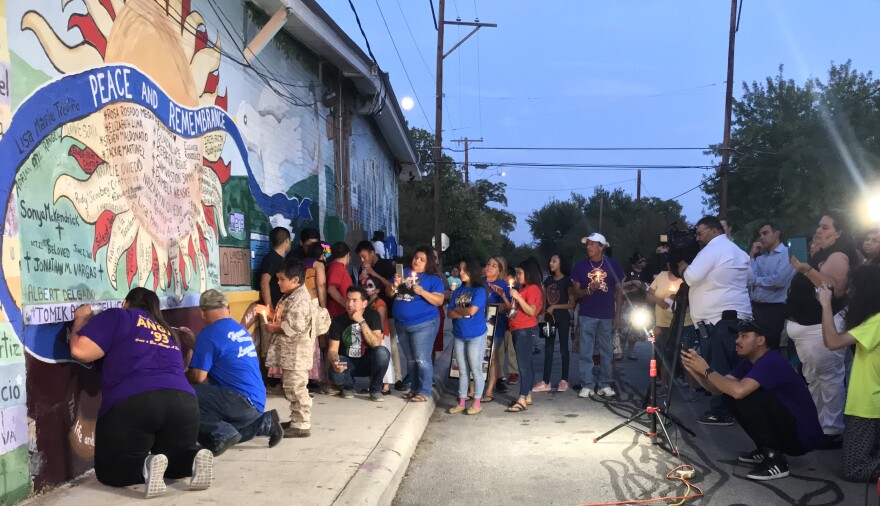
(501, 386)
(513, 380)
(399, 386)
(224, 445)
(276, 431)
(773, 468)
(586, 393)
(454, 410)
(292, 432)
(347, 393)
(154, 474)
(203, 469)
(607, 392)
(377, 397)
(541, 387)
(717, 420)
(474, 410)
(563, 386)
(754, 457)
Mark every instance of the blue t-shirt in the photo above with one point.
(475, 326)
(776, 376)
(494, 298)
(412, 309)
(226, 351)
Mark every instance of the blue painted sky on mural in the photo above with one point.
(601, 74)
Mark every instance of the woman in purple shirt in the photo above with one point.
(148, 422)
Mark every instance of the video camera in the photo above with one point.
(682, 244)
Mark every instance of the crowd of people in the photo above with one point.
(786, 347)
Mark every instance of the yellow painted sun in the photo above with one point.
(152, 196)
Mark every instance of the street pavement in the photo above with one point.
(546, 455)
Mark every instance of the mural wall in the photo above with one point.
(138, 150)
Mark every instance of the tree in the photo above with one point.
(798, 150)
(474, 219)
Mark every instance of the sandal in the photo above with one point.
(487, 398)
(409, 395)
(418, 398)
(474, 410)
(529, 402)
(454, 410)
(517, 407)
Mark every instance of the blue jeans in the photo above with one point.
(524, 343)
(593, 330)
(469, 355)
(417, 342)
(373, 364)
(721, 355)
(224, 413)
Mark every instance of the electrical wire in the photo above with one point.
(534, 148)
(358, 19)
(566, 189)
(403, 66)
(671, 475)
(434, 15)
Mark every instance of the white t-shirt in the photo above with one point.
(379, 246)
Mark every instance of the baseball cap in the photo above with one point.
(213, 299)
(595, 237)
(755, 326)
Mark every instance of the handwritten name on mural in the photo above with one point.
(47, 213)
(235, 266)
(41, 294)
(13, 428)
(10, 346)
(57, 313)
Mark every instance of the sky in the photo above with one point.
(600, 74)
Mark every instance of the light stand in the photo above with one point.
(651, 407)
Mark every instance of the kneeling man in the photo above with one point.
(231, 403)
(355, 346)
(768, 399)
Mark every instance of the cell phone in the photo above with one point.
(399, 268)
(798, 248)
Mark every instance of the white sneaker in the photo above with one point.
(607, 392)
(154, 475)
(586, 393)
(202, 470)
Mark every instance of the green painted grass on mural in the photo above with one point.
(25, 79)
(15, 478)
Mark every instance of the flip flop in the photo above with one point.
(487, 398)
(517, 407)
(418, 398)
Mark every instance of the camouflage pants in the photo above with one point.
(296, 391)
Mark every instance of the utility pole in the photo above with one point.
(438, 125)
(639, 187)
(728, 110)
(467, 143)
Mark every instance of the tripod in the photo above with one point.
(650, 405)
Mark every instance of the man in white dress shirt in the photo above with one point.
(719, 296)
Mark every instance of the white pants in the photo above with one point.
(824, 371)
(389, 373)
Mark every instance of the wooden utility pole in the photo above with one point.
(639, 186)
(438, 124)
(728, 111)
(467, 143)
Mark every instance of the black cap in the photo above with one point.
(749, 326)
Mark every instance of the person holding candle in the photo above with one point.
(467, 310)
(524, 328)
(560, 301)
(417, 297)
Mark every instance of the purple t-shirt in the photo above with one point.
(139, 356)
(775, 375)
(601, 303)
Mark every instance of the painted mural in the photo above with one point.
(137, 150)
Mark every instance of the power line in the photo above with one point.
(403, 66)
(575, 166)
(433, 14)
(358, 19)
(566, 189)
(538, 148)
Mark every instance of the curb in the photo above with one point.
(376, 481)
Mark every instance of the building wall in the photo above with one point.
(135, 153)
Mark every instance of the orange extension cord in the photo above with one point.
(671, 475)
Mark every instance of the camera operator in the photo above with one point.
(718, 278)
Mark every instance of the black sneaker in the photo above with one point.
(753, 457)
(276, 432)
(399, 386)
(501, 386)
(224, 445)
(716, 420)
(347, 393)
(770, 469)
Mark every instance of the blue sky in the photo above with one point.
(600, 74)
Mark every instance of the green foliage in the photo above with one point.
(793, 149)
(628, 225)
(474, 219)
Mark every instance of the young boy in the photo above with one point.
(292, 340)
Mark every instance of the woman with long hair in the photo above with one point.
(338, 278)
(467, 310)
(823, 369)
(417, 295)
(559, 302)
(861, 436)
(524, 328)
(148, 422)
(499, 296)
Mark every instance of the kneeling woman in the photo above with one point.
(524, 328)
(467, 310)
(149, 416)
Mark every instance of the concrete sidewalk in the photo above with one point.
(357, 455)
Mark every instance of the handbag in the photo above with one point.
(547, 330)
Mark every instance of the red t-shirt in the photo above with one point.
(532, 295)
(337, 276)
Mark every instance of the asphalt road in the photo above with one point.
(546, 455)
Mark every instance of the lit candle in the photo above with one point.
(265, 317)
(510, 282)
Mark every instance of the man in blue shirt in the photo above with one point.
(231, 405)
(773, 272)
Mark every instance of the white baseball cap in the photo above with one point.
(595, 237)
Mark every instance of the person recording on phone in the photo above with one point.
(766, 396)
(773, 272)
(718, 279)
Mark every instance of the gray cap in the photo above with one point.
(213, 299)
